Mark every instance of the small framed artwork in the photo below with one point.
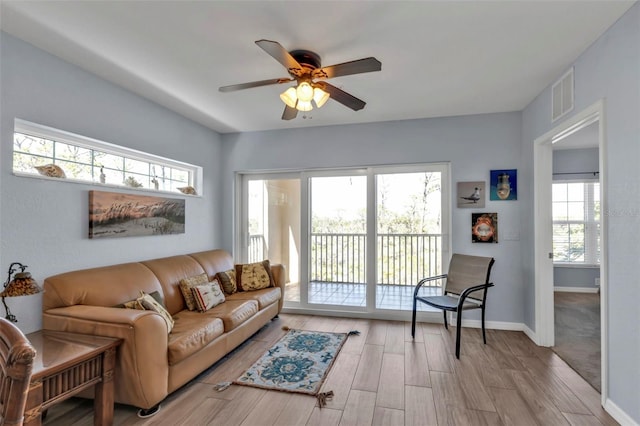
(484, 227)
(471, 194)
(504, 184)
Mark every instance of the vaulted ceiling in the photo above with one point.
(439, 58)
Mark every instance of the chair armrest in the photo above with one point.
(470, 290)
(426, 280)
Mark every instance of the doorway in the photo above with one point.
(576, 252)
(543, 226)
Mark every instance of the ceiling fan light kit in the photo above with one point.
(300, 97)
(303, 67)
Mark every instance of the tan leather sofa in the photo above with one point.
(150, 363)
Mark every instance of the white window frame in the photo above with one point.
(194, 172)
(591, 225)
(370, 310)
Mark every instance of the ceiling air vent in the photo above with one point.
(562, 96)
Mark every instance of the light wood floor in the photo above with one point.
(383, 377)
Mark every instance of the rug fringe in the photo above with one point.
(221, 386)
(323, 397)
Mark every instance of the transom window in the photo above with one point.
(88, 160)
(576, 222)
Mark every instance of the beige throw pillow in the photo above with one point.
(254, 276)
(147, 303)
(208, 295)
(185, 288)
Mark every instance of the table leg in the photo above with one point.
(104, 398)
(33, 408)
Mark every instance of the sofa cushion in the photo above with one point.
(186, 284)
(228, 281)
(254, 276)
(208, 295)
(234, 312)
(192, 332)
(264, 297)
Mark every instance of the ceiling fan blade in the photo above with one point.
(347, 68)
(241, 86)
(281, 55)
(343, 97)
(289, 113)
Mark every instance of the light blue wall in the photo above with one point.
(575, 160)
(609, 70)
(44, 224)
(473, 144)
(575, 277)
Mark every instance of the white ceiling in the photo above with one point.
(439, 58)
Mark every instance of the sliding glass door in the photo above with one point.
(351, 240)
(338, 240)
(408, 234)
(271, 226)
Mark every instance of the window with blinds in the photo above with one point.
(576, 223)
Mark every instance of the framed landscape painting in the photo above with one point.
(114, 214)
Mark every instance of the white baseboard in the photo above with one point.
(530, 334)
(493, 325)
(431, 317)
(576, 289)
(618, 414)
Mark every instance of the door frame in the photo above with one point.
(543, 265)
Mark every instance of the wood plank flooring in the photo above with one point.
(384, 377)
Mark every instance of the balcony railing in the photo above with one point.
(257, 248)
(403, 259)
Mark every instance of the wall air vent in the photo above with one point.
(562, 96)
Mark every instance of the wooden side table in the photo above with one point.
(66, 364)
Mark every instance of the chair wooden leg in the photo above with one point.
(484, 334)
(446, 325)
(458, 329)
(413, 320)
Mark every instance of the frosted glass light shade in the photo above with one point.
(289, 97)
(304, 105)
(320, 97)
(304, 92)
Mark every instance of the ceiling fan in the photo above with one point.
(304, 68)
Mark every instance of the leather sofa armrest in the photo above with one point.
(142, 367)
(280, 278)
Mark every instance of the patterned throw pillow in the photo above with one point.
(254, 276)
(147, 303)
(133, 304)
(228, 281)
(185, 288)
(208, 295)
(150, 304)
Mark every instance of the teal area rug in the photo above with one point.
(299, 362)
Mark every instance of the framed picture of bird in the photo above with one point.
(471, 194)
